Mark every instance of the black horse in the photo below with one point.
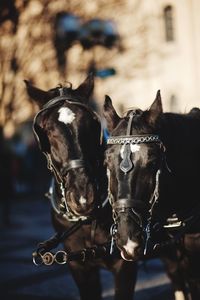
(69, 134)
(153, 161)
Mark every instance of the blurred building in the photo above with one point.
(172, 63)
(159, 49)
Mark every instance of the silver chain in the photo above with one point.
(132, 139)
(155, 194)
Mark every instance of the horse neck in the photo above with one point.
(179, 134)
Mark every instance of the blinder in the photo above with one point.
(37, 129)
(41, 138)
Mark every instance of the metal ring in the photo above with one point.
(37, 259)
(48, 258)
(113, 229)
(84, 255)
(93, 253)
(61, 257)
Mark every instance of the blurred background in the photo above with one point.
(134, 48)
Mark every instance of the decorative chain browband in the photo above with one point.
(133, 139)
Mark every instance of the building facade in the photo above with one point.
(160, 49)
(171, 62)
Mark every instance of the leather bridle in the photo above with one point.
(176, 227)
(63, 209)
(126, 204)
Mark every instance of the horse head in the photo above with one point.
(133, 158)
(69, 134)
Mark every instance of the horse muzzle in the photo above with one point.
(131, 251)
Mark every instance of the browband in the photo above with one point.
(133, 139)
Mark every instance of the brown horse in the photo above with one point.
(69, 134)
(153, 164)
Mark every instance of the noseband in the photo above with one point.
(64, 209)
(122, 205)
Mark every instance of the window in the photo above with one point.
(169, 24)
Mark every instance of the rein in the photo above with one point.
(62, 257)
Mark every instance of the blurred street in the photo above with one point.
(20, 279)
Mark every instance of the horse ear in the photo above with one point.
(112, 118)
(155, 110)
(39, 96)
(86, 88)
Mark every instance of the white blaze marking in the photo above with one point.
(134, 148)
(130, 246)
(179, 295)
(66, 115)
(82, 200)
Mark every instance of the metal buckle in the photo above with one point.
(173, 222)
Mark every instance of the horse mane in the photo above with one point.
(180, 128)
(68, 90)
(175, 129)
(129, 110)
